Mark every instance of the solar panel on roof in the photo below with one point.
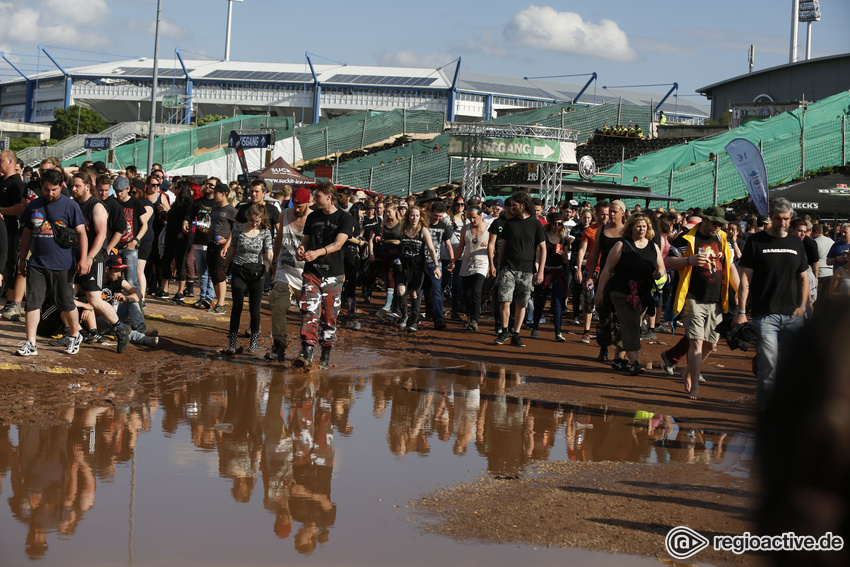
(146, 71)
(380, 80)
(507, 89)
(265, 76)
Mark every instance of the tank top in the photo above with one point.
(394, 233)
(635, 264)
(606, 243)
(289, 269)
(475, 254)
(413, 248)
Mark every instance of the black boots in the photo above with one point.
(325, 359)
(277, 352)
(305, 359)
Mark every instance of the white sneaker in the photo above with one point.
(28, 349)
(74, 344)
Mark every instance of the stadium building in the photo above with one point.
(188, 89)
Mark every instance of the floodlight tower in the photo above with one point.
(227, 38)
(809, 12)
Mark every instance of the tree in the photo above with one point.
(76, 120)
(210, 118)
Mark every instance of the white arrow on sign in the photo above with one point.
(543, 151)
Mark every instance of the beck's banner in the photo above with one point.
(235, 142)
(750, 164)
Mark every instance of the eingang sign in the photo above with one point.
(512, 149)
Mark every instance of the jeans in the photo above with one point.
(132, 312)
(541, 292)
(131, 258)
(436, 294)
(774, 333)
(206, 288)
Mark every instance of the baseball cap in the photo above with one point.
(221, 188)
(115, 262)
(402, 204)
(573, 203)
(100, 167)
(499, 203)
(138, 184)
(301, 196)
(121, 184)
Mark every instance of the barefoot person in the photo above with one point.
(705, 272)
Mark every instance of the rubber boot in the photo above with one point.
(388, 305)
(325, 359)
(277, 352)
(305, 359)
(231, 344)
(402, 309)
(413, 319)
(255, 342)
(190, 289)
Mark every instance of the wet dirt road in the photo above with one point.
(181, 456)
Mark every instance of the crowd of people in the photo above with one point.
(76, 236)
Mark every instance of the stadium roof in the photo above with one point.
(364, 76)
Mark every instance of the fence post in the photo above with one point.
(670, 185)
(410, 178)
(622, 163)
(451, 162)
(371, 171)
(220, 132)
(843, 139)
(619, 109)
(716, 175)
(803, 144)
(363, 134)
(403, 121)
(136, 155)
(327, 144)
(164, 161)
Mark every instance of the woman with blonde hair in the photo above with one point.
(632, 265)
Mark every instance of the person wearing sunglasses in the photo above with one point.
(554, 278)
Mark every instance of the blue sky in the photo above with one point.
(627, 42)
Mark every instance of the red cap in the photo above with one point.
(301, 196)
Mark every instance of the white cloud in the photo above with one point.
(543, 27)
(409, 58)
(53, 22)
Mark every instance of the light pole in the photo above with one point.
(151, 132)
(229, 19)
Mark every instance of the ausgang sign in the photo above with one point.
(512, 149)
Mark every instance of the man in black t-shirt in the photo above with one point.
(116, 224)
(775, 289)
(257, 194)
(522, 259)
(196, 225)
(802, 228)
(705, 269)
(222, 219)
(12, 203)
(137, 218)
(95, 216)
(325, 233)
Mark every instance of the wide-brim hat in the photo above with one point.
(714, 214)
(427, 196)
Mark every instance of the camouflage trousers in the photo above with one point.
(321, 299)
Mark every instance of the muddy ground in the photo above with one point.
(613, 507)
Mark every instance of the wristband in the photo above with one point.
(326, 250)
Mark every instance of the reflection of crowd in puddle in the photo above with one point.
(280, 432)
(53, 471)
(511, 431)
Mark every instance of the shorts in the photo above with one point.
(703, 319)
(60, 282)
(515, 287)
(215, 264)
(145, 251)
(92, 281)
